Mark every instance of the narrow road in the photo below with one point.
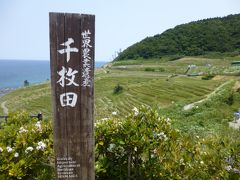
(235, 124)
(5, 109)
(192, 105)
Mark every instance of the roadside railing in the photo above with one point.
(39, 116)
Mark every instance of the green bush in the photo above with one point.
(149, 69)
(26, 148)
(117, 89)
(175, 57)
(145, 146)
(161, 69)
(26, 83)
(142, 145)
(207, 77)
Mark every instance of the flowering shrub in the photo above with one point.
(145, 146)
(142, 145)
(26, 148)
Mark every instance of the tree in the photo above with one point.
(26, 83)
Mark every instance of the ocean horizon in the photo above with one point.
(13, 73)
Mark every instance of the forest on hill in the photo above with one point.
(221, 34)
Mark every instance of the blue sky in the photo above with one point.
(24, 26)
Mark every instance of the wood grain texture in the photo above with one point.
(73, 126)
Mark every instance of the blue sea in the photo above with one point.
(13, 73)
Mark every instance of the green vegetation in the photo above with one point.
(144, 145)
(34, 99)
(26, 83)
(26, 148)
(217, 36)
(144, 88)
(162, 87)
(196, 144)
(117, 89)
(207, 77)
(166, 117)
(210, 115)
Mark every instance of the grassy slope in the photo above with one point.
(139, 88)
(217, 66)
(143, 87)
(146, 88)
(34, 99)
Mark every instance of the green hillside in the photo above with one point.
(221, 35)
(139, 88)
(160, 119)
(154, 83)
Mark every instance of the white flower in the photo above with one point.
(114, 113)
(16, 155)
(41, 146)
(153, 156)
(22, 130)
(155, 151)
(9, 149)
(111, 147)
(38, 126)
(1, 149)
(29, 149)
(228, 168)
(161, 136)
(104, 119)
(168, 120)
(119, 123)
(181, 160)
(135, 111)
(201, 162)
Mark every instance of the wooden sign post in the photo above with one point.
(72, 41)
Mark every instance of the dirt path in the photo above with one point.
(235, 124)
(5, 109)
(192, 105)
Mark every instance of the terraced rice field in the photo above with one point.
(142, 88)
(34, 99)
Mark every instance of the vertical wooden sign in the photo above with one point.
(72, 41)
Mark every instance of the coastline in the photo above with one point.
(12, 77)
(4, 92)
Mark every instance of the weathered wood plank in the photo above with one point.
(57, 60)
(87, 94)
(72, 72)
